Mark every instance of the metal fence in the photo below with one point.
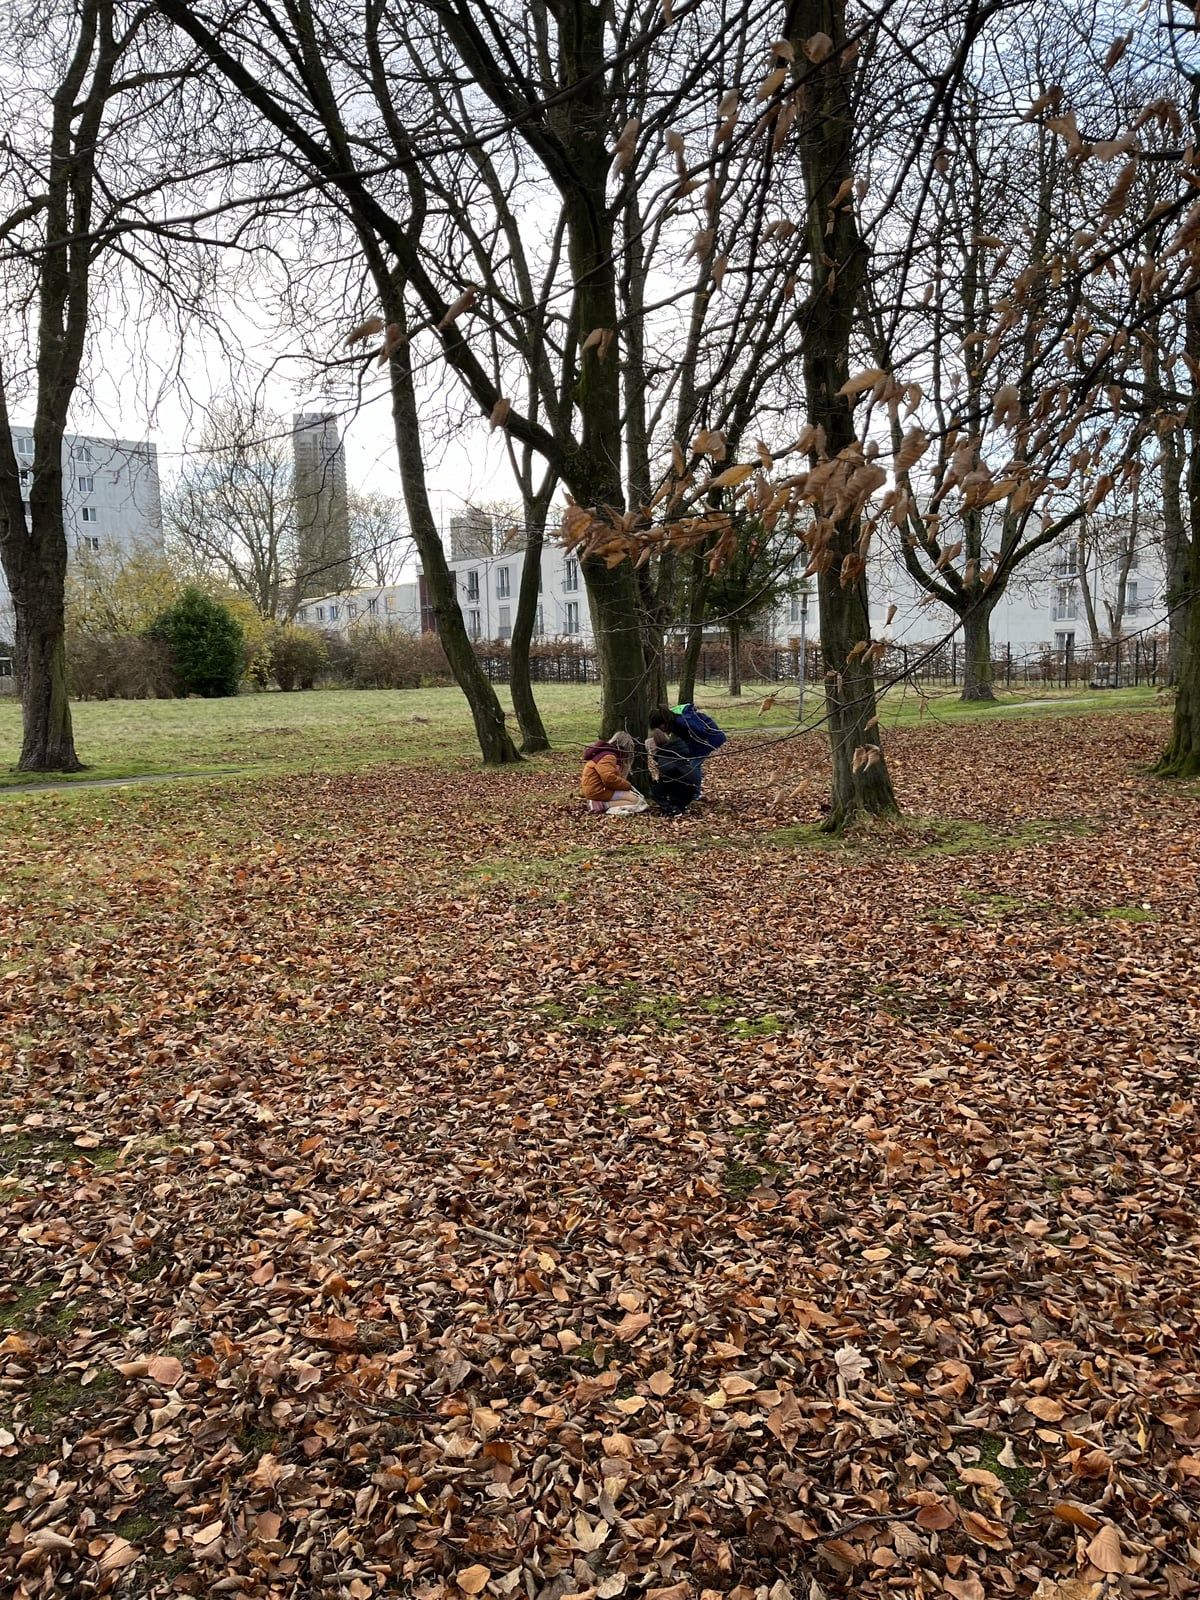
(1124, 664)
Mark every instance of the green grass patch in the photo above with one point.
(53, 1399)
(1015, 1479)
(628, 1008)
(920, 836)
(23, 1311)
(346, 730)
(138, 1525)
(32, 1150)
(741, 1178)
(1129, 914)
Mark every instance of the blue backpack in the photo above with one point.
(701, 732)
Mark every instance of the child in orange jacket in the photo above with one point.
(604, 781)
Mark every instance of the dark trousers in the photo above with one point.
(673, 796)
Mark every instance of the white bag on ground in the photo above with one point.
(626, 803)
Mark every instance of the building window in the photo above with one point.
(539, 626)
(81, 452)
(333, 613)
(26, 480)
(473, 584)
(88, 514)
(389, 602)
(1066, 562)
(1064, 642)
(89, 542)
(571, 576)
(373, 605)
(351, 609)
(473, 624)
(504, 622)
(539, 578)
(85, 485)
(320, 613)
(1063, 607)
(25, 445)
(302, 615)
(572, 616)
(1133, 559)
(1131, 597)
(502, 589)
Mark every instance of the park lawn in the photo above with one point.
(339, 730)
(409, 1184)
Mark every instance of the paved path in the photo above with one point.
(72, 784)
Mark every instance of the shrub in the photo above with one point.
(205, 641)
(392, 659)
(118, 666)
(339, 665)
(298, 657)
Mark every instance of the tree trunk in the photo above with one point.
(826, 142)
(495, 743)
(1085, 583)
(697, 600)
(1181, 758)
(735, 660)
(977, 663)
(654, 643)
(849, 706)
(48, 744)
(1177, 550)
(529, 718)
(612, 596)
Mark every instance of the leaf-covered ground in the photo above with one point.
(412, 1186)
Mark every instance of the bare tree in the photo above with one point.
(232, 512)
(51, 215)
(105, 203)
(380, 543)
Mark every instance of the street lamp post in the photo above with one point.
(803, 652)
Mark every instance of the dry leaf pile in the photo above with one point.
(414, 1187)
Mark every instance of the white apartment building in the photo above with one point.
(1043, 605)
(1042, 608)
(390, 605)
(110, 500)
(488, 586)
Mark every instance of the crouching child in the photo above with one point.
(604, 782)
(677, 772)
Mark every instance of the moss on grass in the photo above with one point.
(741, 1178)
(31, 1150)
(1015, 1479)
(23, 1311)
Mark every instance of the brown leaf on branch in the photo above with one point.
(862, 381)
(912, 447)
(394, 339)
(455, 310)
(1117, 49)
(1050, 100)
(364, 330)
(626, 145)
(732, 476)
(772, 83)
